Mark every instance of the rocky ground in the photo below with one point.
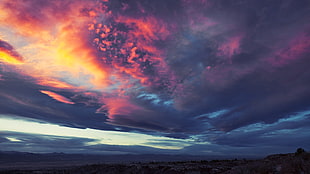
(294, 163)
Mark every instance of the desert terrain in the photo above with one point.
(291, 163)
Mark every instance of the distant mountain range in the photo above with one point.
(13, 159)
(59, 163)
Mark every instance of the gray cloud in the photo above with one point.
(20, 95)
(48, 144)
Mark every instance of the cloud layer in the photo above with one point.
(209, 70)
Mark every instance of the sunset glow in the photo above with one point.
(196, 77)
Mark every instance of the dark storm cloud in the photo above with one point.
(247, 57)
(276, 134)
(258, 139)
(160, 8)
(21, 96)
(3, 139)
(252, 61)
(41, 143)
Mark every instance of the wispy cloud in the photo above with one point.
(57, 97)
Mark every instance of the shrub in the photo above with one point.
(299, 151)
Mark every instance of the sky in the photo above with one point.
(196, 77)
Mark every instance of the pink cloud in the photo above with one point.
(297, 47)
(57, 97)
(119, 107)
(230, 47)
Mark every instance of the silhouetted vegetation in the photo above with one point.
(299, 151)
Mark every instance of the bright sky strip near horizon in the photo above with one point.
(99, 136)
(212, 77)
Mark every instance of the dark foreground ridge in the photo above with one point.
(292, 163)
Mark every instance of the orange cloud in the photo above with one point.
(78, 57)
(25, 18)
(133, 52)
(148, 28)
(73, 44)
(57, 42)
(8, 54)
(57, 97)
(55, 84)
(9, 58)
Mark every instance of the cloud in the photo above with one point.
(50, 144)
(51, 12)
(22, 92)
(8, 54)
(36, 135)
(53, 83)
(56, 43)
(3, 139)
(230, 47)
(249, 84)
(57, 97)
